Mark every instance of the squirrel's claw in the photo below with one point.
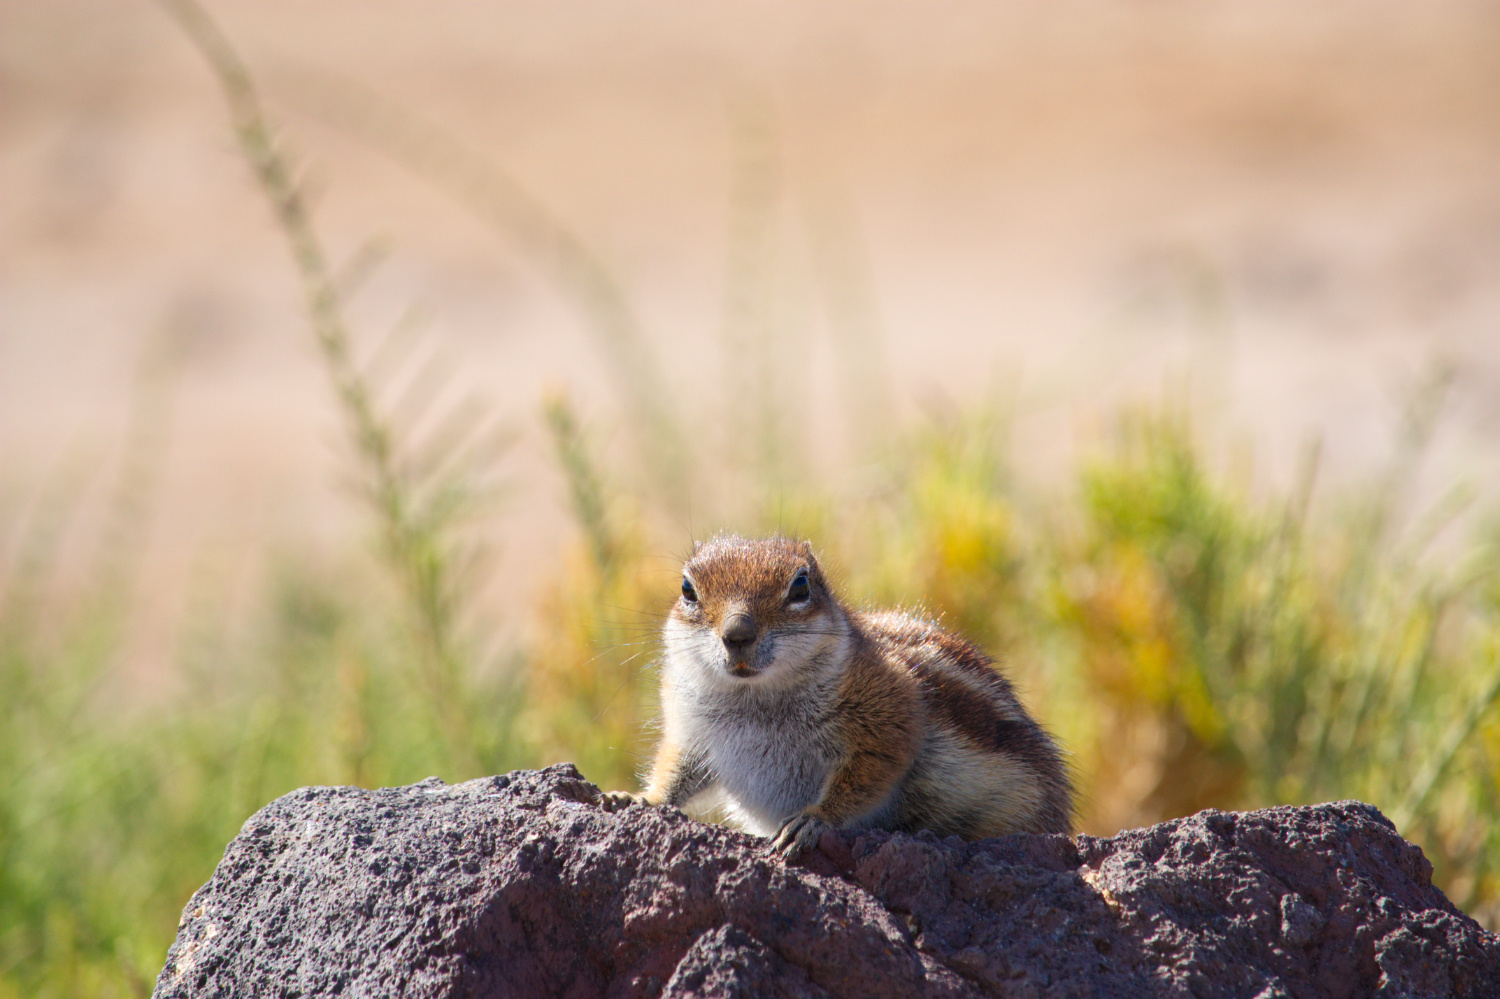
(800, 834)
(613, 801)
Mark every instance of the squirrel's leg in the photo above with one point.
(677, 776)
(860, 784)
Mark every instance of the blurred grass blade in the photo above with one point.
(841, 261)
(1428, 779)
(754, 422)
(439, 158)
(584, 486)
(416, 543)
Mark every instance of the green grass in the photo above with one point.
(1195, 643)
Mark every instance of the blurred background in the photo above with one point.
(353, 430)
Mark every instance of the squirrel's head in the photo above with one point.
(755, 612)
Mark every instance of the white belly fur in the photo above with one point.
(767, 773)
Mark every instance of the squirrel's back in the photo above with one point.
(984, 767)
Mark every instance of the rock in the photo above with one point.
(520, 886)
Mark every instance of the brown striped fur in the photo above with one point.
(804, 713)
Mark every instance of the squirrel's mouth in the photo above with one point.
(742, 669)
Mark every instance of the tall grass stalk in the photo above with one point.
(1436, 767)
(756, 422)
(844, 275)
(501, 202)
(592, 686)
(415, 523)
(584, 485)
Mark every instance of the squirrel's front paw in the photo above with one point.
(613, 801)
(800, 834)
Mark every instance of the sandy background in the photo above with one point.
(1298, 203)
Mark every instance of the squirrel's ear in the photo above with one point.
(805, 549)
(696, 546)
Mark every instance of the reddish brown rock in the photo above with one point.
(519, 886)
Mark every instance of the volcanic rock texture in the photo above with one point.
(521, 886)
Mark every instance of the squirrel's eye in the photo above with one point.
(688, 593)
(800, 589)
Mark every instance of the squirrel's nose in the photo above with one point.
(738, 632)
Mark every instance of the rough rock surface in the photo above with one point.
(520, 886)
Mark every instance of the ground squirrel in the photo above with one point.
(806, 714)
